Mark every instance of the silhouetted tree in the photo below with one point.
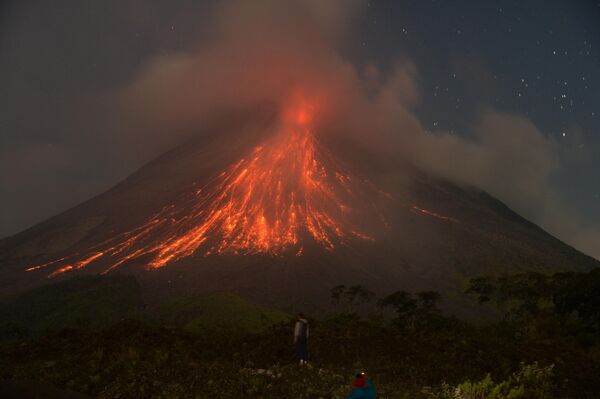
(403, 304)
(353, 297)
(578, 295)
(429, 300)
(523, 296)
(358, 294)
(482, 288)
(336, 293)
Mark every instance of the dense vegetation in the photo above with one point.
(546, 345)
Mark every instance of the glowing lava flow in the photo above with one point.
(422, 211)
(265, 203)
(285, 192)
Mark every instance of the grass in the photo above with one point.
(219, 311)
(90, 301)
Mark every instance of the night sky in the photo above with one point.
(63, 64)
(536, 58)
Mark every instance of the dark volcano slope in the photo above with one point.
(439, 235)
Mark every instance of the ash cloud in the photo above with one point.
(246, 53)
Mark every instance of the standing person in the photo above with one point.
(301, 338)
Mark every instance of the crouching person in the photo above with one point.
(362, 388)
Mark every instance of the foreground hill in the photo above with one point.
(546, 347)
(98, 302)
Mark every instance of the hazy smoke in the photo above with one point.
(251, 52)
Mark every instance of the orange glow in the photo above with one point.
(88, 260)
(299, 112)
(44, 265)
(423, 211)
(60, 270)
(286, 192)
(303, 117)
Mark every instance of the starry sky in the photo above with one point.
(536, 58)
(61, 63)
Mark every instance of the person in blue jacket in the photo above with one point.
(362, 388)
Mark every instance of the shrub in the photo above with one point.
(530, 382)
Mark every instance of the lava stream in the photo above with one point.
(286, 191)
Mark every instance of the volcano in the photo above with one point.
(286, 192)
(264, 208)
